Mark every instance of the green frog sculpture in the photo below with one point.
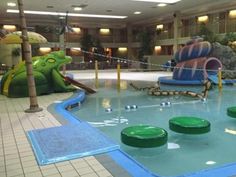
(46, 74)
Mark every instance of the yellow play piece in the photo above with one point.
(9, 78)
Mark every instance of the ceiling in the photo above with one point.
(150, 11)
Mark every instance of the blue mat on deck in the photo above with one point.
(68, 142)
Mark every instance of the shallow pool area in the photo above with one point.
(183, 154)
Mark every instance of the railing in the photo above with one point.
(218, 27)
(75, 38)
(101, 65)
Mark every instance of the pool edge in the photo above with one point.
(80, 97)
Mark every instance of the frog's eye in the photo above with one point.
(51, 60)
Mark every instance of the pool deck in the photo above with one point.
(16, 155)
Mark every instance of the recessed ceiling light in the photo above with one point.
(45, 49)
(232, 13)
(80, 5)
(9, 27)
(122, 49)
(76, 29)
(76, 48)
(105, 30)
(160, 1)
(11, 4)
(77, 8)
(160, 27)
(50, 7)
(161, 5)
(137, 13)
(202, 18)
(64, 14)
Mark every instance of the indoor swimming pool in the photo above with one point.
(111, 111)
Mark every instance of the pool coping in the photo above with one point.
(124, 160)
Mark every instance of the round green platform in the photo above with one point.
(189, 125)
(144, 136)
(231, 111)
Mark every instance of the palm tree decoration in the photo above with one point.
(34, 107)
(64, 30)
(146, 46)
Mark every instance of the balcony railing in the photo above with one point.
(223, 26)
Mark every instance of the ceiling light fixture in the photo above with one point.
(137, 13)
(45, 49)
(232, 14)
(76, 29)
(105, 30)
(77, 8)
(122, 49)
(158, 48)
(159, 1)
(161, 5)
(9, 27)
(160, 27)
(202, 18)
(11, 4)
(64, 14)
(76, 48)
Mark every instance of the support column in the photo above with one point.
(177, 23)
(129, 41)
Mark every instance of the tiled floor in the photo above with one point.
(16, 156)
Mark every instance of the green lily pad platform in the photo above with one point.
(189, 125)
(144, 136)
(231, 111)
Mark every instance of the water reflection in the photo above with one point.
(232, 132)
(173, 146)
(110, 122)
(106, 103)
(210, 162)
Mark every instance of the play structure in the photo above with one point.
(231, 111)
(144, 136)
(194, 64)
(189, 125)
(78, 84)
(47, 77)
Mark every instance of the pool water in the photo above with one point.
(183, 154)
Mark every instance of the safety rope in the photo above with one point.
(118, 59)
